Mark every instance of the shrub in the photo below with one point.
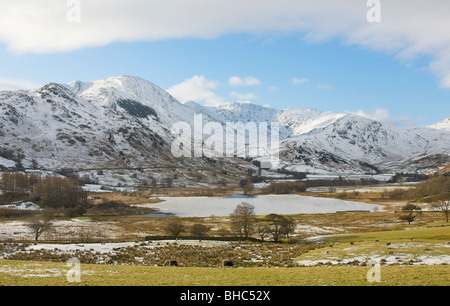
(246, 185)
(401, 194)
(110, 208)
(174, 228)
(199, 230)
(285, 188)
(73, 212)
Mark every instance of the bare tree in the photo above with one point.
(41, 224)
(243, 219)
(246, 185)
(280, 226)
(58, 192)
(276, 224)
(175, 227)
(442, 203)
(288, 226)
(199, 230)
(262, 229)
(412, 212)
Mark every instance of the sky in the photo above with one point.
(385, 60)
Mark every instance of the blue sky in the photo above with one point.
(283, 69)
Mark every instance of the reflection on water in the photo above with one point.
(157, 215)
(239, 196)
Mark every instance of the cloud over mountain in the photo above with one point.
(408, 29)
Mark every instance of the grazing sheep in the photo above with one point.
(227, 263)
(109, 261)
(171, 263)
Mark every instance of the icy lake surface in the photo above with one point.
(264, 204)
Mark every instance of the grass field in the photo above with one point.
(399, 264)
(405, 255)
(21, 273)
(428, 245)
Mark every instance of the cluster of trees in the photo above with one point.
(296, 175)
(435, 187)
(341, 182)
(18, 183)
(408, 177)
(59, 192)
(176, 227)
(246, 185)
(245, 224)
(435, 191)
(285, 188)
(410, 212)
(48, 192)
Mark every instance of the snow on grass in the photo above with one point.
(7, 163)
(110, 247)
(14, 230)
(410, 253)
(68, 229)
(21, 205)
(104, 248)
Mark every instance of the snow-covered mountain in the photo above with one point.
(314, 140)
(443, 125)
(119, 121)
(126, 122)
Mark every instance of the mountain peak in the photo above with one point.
(121, 82)
(442, 125)
(126, 121)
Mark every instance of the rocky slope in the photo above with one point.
(125, 122)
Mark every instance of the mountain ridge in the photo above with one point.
(126, 121)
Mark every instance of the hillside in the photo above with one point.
(125, 122)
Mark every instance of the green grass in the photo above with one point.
(398, 266)
(441, 233)
(404, 247)
(21, 273)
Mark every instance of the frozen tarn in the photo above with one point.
(264, 204)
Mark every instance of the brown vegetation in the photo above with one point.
(284, 188)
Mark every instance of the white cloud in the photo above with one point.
(243, 97)
(408, 28)
(325, 86)
(12, 84)
(297, 81)
(248, 81)
(383, 116)
(197, 89)
(379, 114)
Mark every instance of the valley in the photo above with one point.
(88, 172)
